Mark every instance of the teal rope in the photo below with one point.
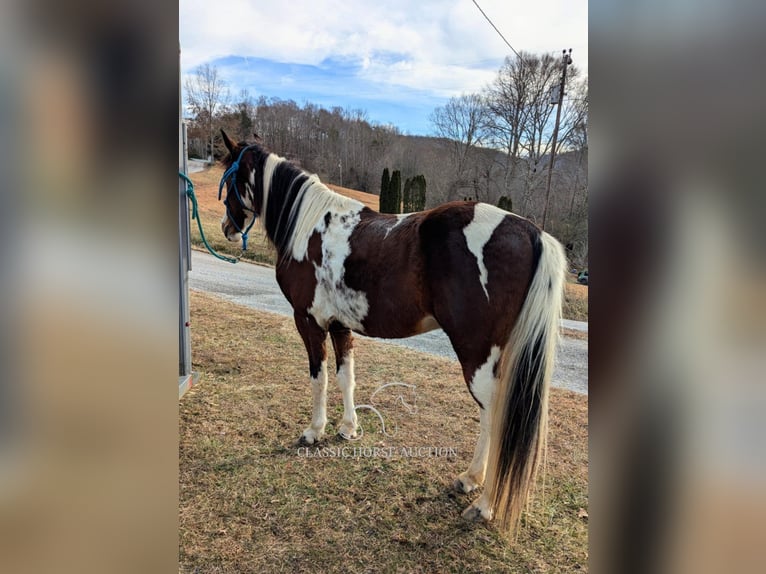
(195, 215)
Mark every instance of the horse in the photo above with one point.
(492, 280)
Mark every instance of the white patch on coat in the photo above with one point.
(483, 382)
(319, 406)
(347, 384)
(319, 396)
(317, 200)
(399, 218)
(485, 220)
(473, 477)
(333, 299)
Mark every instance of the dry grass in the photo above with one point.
(575, 334)
(211, 211)
(250, 503)
(575, 306)
(369, 199)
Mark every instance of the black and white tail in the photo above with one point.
(520, 409)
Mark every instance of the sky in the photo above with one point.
(396, 59)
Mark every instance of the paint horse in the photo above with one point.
(491, 280)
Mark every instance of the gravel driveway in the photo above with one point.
(255, 286)
(195, 165)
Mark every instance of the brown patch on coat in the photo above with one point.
(297, 279)
(342, 343)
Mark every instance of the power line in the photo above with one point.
(496, 30)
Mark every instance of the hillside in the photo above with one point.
(370, 200)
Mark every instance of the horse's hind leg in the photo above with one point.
(471, 479)
(314, 339)
(342, 342)
(482, 386)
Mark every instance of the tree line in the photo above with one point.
(492, 146)
(394, 199)
(341, 145)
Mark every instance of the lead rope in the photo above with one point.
(195, 215)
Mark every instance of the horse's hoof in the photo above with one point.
(459, 486)
(464, 484)
(347, 432)
(309, 437)
(474, 514)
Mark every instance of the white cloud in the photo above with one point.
(443, 46)
(440, 80)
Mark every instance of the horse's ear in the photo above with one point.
(257, 137)
(230, 145)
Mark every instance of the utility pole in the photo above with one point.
(566, 60)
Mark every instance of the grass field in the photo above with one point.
(575, 305)
(211, 211)
(259, 250)
(250, 501)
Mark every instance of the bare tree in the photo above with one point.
(508, 109)
(576, 138)
(207, 96)
(520, 121)
(537, 130)
(461, 121)
(574, 116)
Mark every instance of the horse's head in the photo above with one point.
(243, 194)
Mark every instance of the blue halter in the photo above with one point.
(231, 173)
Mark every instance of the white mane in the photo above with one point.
(272, 161)
(315, 200)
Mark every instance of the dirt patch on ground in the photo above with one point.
(251, 502)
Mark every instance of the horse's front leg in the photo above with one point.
(314, 338)
(343, 344)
